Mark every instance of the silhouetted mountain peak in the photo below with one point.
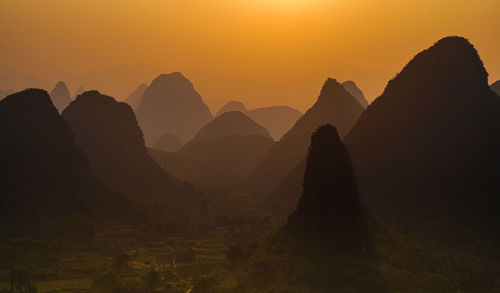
(330, 87)
(451, 64)
(42, 171)
(231, 123)
(430, 140)
(60, 96)
(175, 78)
(172, 105)
(329, 212)
(107, 132)
(356, 92)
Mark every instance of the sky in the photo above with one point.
(261, 52)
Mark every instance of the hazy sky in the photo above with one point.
(263, 52)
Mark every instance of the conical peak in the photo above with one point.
(230, 123)
(332, 89)
(331, 84)
(452, 62)
(175, 78)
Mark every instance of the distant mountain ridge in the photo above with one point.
(231, 123)
(277, 119)
(224, 150)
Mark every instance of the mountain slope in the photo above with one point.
(356, 92)
(44, 176)
(108, 134)
(426, 150)
(334, 106)
(277, 119)
(134, 99)
(171, 105)
(230, 123)
(217, 162)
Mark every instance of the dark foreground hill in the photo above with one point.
(60, 96)
(326, 245)
(46, 183)
(329, 214)
(427, 149)
(171, 105)
(108, 134)
(334, 106)
(277, 119)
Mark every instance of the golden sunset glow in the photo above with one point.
(262, 52)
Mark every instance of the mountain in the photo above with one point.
(329, 214)
(328, 243)
(78, 92)
(134, 99)
(427, 148)
(356, 92)
(425, 151)
(108, 134)
(171, 105)
(60, 96)
(46, 184)
(496, 87)
(233, 106)
(334, 106)
(167, 143)
(4, 93)
(230, 123)
(277, 119)
(222, 152)
(217, 162)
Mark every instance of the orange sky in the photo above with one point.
(263, 52)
